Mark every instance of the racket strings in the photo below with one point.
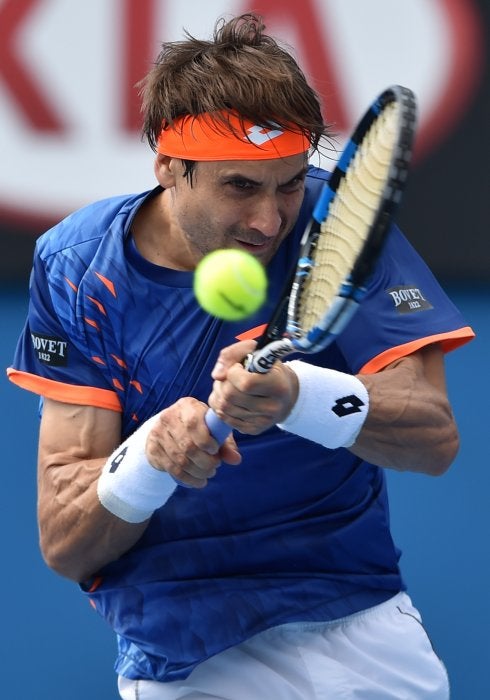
(350, 217)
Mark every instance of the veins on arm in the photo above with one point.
(77, 535)
(410, 424)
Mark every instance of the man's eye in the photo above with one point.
(293, 185)
(241, 184)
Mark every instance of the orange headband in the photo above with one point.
(202, 138)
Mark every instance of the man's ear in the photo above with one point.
(165, 167)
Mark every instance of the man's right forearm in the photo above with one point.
(78, 536)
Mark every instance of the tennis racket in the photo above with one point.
(343, 240)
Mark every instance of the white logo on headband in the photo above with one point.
(258, 135)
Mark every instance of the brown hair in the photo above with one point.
(241, 69)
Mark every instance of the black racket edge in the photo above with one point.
(396, 180)
(397, 173)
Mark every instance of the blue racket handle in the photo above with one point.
(217, 427)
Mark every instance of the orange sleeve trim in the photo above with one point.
(66, 393)
(449, 341)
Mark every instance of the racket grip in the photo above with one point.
(217, 427)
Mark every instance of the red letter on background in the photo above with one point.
(315, 49)
(138, 20)
(137, 44)
(14, 73)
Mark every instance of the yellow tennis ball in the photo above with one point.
(230, 284)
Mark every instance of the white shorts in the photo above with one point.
(382, 653)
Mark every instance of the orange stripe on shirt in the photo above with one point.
(449, 341)
(95, 584)
(136, 385)
(119, 361)
(66, 393)
(107, 283)
(70, 283)
(91, 322)
(98, 305)
(253, 333)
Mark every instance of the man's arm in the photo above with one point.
(409, 425)
(78, 535)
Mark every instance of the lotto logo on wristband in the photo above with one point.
(117, 460)
(347, 405)
(50, 350)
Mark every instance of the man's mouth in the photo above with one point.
(255, 247)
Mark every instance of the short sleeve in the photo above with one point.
(405, 309)
(49, 359)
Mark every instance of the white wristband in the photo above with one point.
(331, 407)
(129, 486)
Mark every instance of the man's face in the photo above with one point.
(250, 205)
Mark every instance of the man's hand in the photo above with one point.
(180, 444)
(248, 401)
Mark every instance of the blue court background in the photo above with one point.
(53, 646)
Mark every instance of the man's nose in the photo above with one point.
(266, 217)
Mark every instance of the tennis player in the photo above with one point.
(263, 568)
